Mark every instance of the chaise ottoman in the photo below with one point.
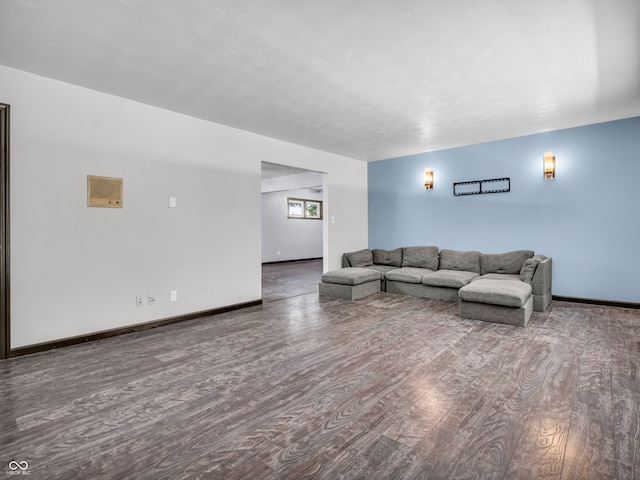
(350, 283)
(498, 301)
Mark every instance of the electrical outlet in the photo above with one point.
(139, 301)
(151, 299)
(174, 295)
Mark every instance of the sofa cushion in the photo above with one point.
(388, 257)
(510, 262)
(496, 292)
(407, 274)
(361, 258)
(421, 257)
(529, 268)
(351, 276)
(455, 260)
(449, 278)
(383, 269)
(499, 276)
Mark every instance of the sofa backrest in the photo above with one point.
(361, 258)
(421, 257)
(468, 261)
(391, 258)
(509, 262)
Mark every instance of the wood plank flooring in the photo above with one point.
(290, 279)
(386, 387)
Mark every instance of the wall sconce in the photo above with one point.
(428, 179)
(549, 162)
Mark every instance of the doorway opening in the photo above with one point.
(291, 242)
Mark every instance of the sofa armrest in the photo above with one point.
(345, 261)
(541, 281)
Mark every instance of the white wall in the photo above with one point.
(77, 270)
(289, 238)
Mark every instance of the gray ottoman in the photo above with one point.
(350, 283)
(499, 301)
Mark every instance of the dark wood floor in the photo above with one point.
(387, 387)
(290, 279)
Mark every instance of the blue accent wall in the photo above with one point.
(587, 218)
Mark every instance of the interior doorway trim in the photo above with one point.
(5, 253)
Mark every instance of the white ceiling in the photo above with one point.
(368, 79)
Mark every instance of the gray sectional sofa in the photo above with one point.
(503, 287)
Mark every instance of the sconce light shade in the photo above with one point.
(549, 162)
(428, 179)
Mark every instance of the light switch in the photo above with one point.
(173, 202)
